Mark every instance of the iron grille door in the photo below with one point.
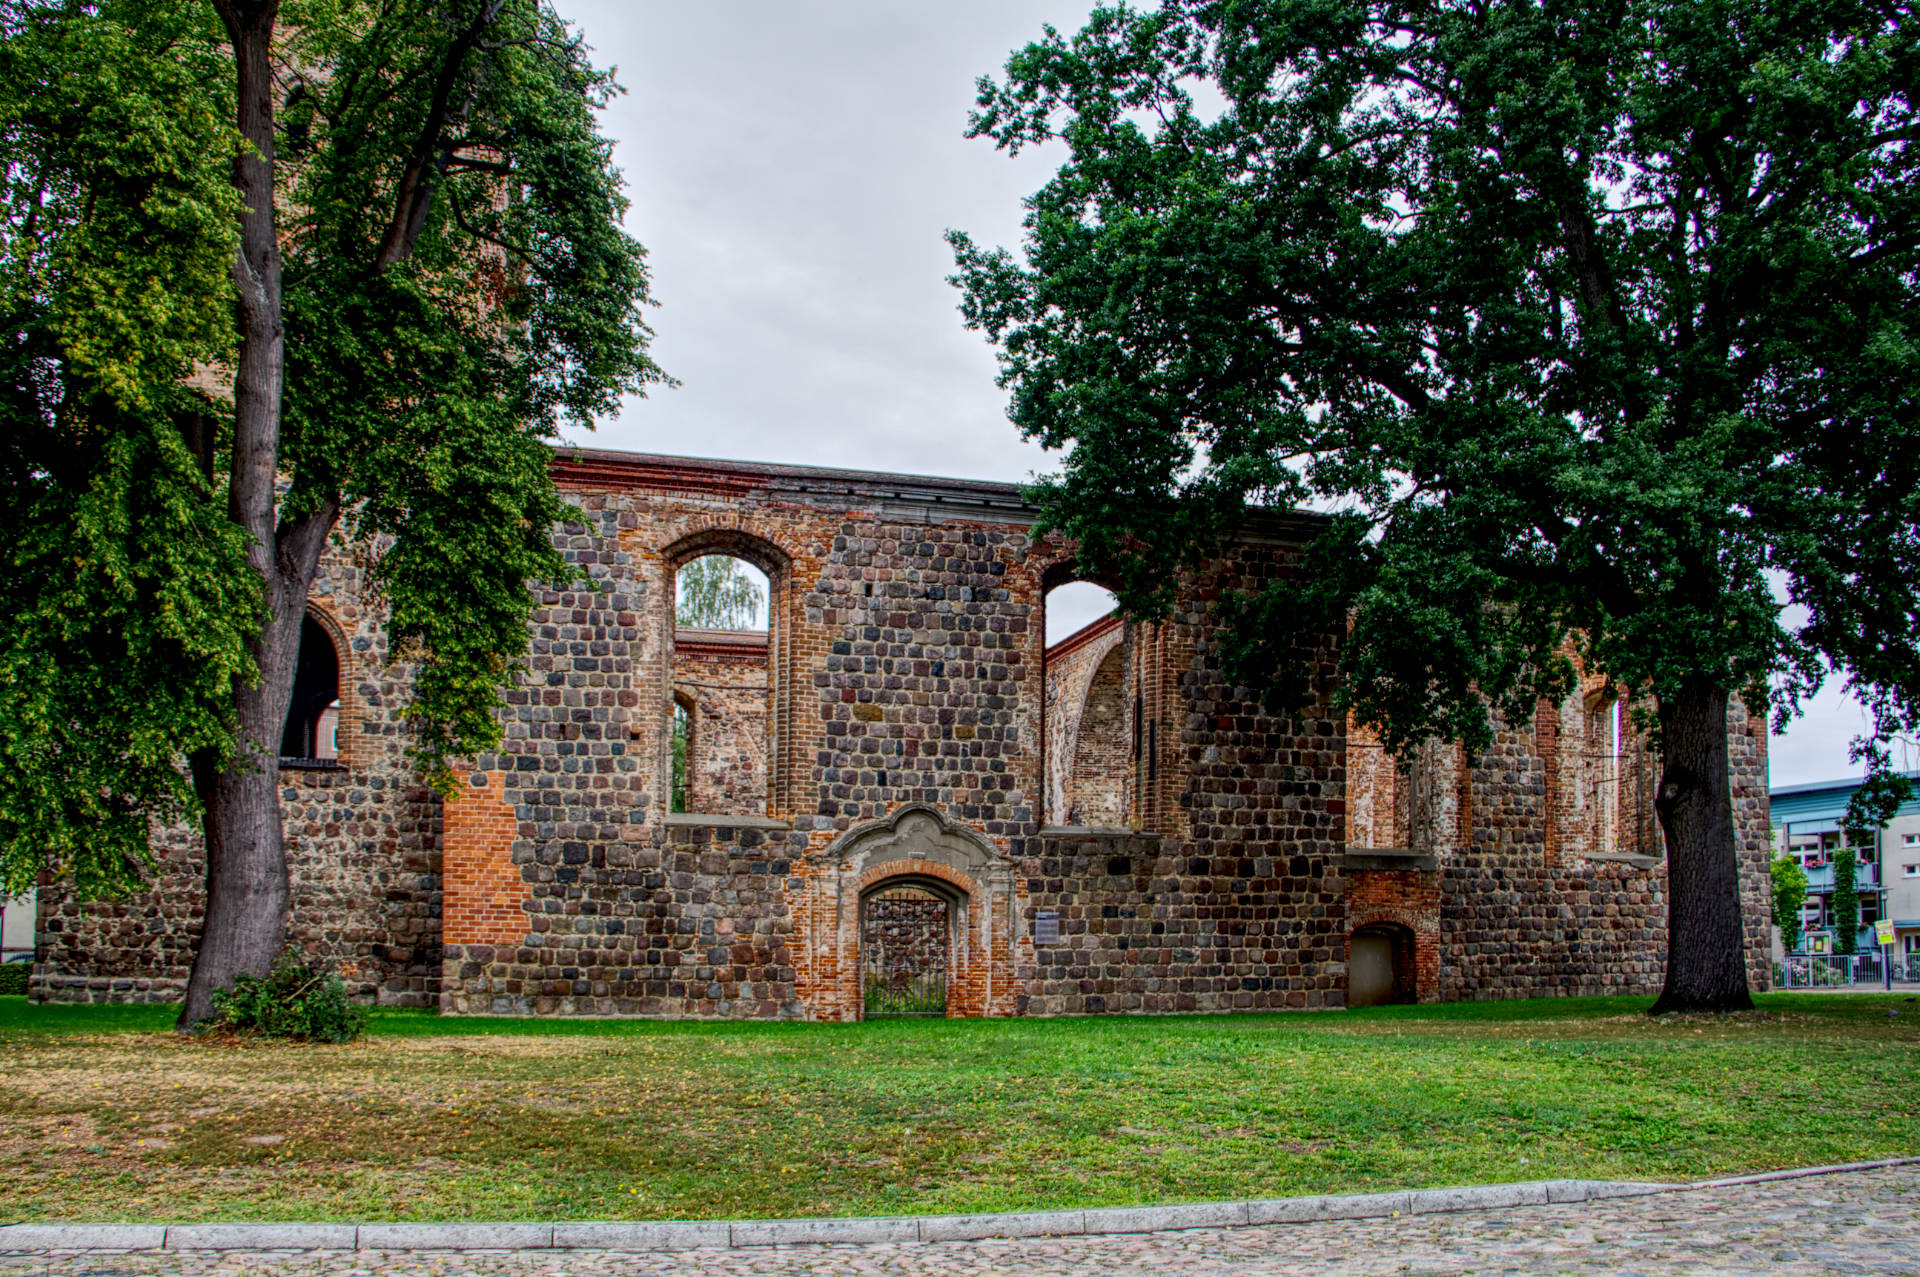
(905, 938)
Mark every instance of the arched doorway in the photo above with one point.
(906, 948)
(1380, 966)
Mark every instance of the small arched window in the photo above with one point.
(311, 734)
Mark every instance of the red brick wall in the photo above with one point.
(1409, 899)
(486, 900)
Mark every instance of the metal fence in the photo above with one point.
(1841, 971)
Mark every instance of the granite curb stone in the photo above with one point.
(690, 1235)
(1298, 1210)
(261, 1236)
(1478, 1197)
(1165, 1219)
(83, 1237)
(721, 1235)
(970, 1228)
(1800, 1172)
(837, 1232)
(455, 1237)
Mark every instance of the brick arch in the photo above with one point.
(722, 537)
(875, 875)
(351, 746)
(1423, 977)
(1065, 569)
(969, 946)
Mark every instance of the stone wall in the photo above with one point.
(901, 722)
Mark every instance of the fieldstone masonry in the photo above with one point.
(902, 722)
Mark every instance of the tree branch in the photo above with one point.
(413, 196)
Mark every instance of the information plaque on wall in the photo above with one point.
(1046, 927)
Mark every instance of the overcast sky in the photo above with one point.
(792, 170)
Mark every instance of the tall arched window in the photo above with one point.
(1090, 748)
(311, 734)
(721, 678)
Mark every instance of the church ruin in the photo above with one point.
(898, 799)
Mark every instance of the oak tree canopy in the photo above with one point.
(1591, 322)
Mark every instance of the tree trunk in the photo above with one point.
(246, 912)
(1706, 935)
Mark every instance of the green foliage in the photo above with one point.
(294, 1001)
(121, 579)
(714, 592)
(436, 341)
(1846, 901)
(13, 978)
(443, 318)
(1789, 894)
(1589, 320)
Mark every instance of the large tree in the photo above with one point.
(275, 276)
(1594, 323)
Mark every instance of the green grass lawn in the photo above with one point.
(104, 1115)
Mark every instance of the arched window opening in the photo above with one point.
(721, 682)
(1596, 794)
(1380, 966)
(1091, 747)
(311, 734)
(720, 592)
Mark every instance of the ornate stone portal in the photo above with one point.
(917, 845)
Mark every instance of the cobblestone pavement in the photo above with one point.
(1860, 1222)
